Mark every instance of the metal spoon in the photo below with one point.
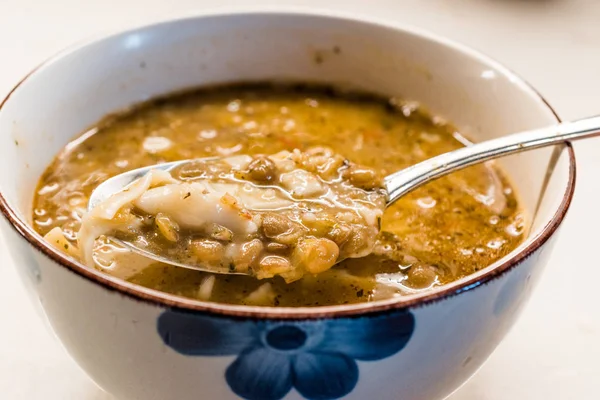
(402, 182)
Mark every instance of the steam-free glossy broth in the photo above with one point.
(435, 235)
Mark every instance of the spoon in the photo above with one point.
(398, 183)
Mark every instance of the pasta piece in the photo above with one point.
(206, 288)
(263, 296)
(58, 240)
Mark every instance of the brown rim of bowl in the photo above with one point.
(163, 299)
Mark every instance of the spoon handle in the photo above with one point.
(402, 182)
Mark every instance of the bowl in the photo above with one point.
(138, 343)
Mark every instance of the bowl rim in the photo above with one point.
(162, 299)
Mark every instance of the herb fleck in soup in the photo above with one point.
(439, 233)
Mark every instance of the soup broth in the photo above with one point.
(439, 233)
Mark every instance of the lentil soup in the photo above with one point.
(439, 233)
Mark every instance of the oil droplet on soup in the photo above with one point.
(439, 233)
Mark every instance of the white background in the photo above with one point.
(554, 350)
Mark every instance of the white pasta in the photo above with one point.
(263, 296)
(193, 205)
(206, 288)
(58, 240)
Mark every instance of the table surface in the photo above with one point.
(552, 352)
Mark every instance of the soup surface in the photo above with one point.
(439, 233)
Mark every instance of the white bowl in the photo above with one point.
(138, 343)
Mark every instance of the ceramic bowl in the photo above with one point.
(138, 343)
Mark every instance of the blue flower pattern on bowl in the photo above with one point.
(317, 358)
